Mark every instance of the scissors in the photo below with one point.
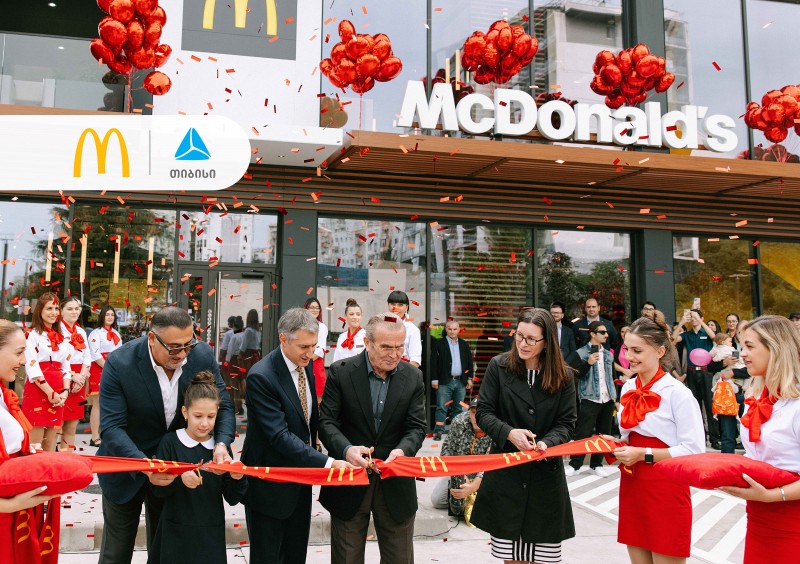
(371, 466)
(199, 475)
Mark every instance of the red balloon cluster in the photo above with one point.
(774, 153)
(458, 95)
(359, 60)
(629, 75)
(130, 38)
(777, 113)
(500, 54)
(545, 97)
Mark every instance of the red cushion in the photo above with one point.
(711, 470)
(61, 472)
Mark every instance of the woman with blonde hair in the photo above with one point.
(770, 432)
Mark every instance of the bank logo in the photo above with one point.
(101, 148)
(192, 148)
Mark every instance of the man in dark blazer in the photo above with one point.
(281, 431)
(581, 327)
(141, 395)
(373, 406)
(566, 338)
(451, 375)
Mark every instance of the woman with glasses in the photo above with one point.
(102, 341)
(527, 402)
(318, 362)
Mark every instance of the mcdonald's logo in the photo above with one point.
(431, 460)
(101, 148)
(600, 444)
(332, 474)
(240, 11)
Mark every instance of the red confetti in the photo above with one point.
(716, 66)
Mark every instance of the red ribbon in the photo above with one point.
(111, 336)
(12, 402)
(640, 401)
(759, 412)
(75, 339)
(350, 342)
(56, 338)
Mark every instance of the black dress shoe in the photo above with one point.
(437, 436)
(716, 445)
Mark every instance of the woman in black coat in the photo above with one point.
(527, 401)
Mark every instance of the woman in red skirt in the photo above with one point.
(102, 342)
(770, 432)
(49, 378)
(19, 513)
(659, 419)
(80, 360)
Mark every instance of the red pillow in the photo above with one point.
(711, 470)
(61, 472)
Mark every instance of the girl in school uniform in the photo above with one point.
(351, 342)
(102, 341)
(192, 524)
(659, 419)
(48, 372)
(770, 432)
(80, 361)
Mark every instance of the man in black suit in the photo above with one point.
(141, 395)
(566, 338)
(581, 327)
(451, 365)
(281, 431)
(374, 405)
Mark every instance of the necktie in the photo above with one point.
(301, 391)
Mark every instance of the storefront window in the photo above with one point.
(708, 60)
(717, 272)
(224, 237)
(576, 265)
(780, 277)
(124, 257)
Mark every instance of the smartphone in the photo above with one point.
(696, 303)
(686, 314)
(735, 354)
(594, 348)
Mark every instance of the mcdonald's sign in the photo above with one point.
(240, 15)
(101, 148)
(431, 460)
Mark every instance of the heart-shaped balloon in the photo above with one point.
(163, 53)
(121, 10)
(157, 83)
(113, 32)
(101, 51)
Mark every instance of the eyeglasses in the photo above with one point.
(601, 332)
(175, 351)
(530, 341)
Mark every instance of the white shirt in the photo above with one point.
(10, 429)
(780, 437)
(601, 370)
(413, 343)
(74, 356)
(322, 341)
(37, 349)
(189, 442)
(342, 353)
(677, 405)
(169, 387)
(234, 343)
(99, 343)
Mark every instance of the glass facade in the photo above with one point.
(227, 237)
(779, 263)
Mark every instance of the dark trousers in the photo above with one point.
(121, 523)
(727, 427)
(280, 541)
(593, 418)
(700, 383)
(395, 540)
(453, 392)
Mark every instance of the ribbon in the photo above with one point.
(12, 402)
(640, 401)
(56, 338)
(759, 412)
(350, 341)
(76, 339)
(112, 336)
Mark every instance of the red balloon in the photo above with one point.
(611, 74)
(121, 10)
(101, 51)
(163, 53)
(638, 99)
(505, 39)
(615, 102)
(526, 60)
(790, 106)
(335, 80)
(158, 15)
(647, 66)
(625, 61)
(338, 54)
(367, 65)
(665, 82)
(490, 55)
(770, 97)
(356, 47)
(484, 74)
(326, 66)
(522, 45)
(135, 36)
(152, 35)
(499, 25)
(773, 114)
(346, 30)
(114, 33)
(362, 86)
(604, 58)
(639, 52)
(634, 79)
(628, 90)
(382, 48)
(517, 31)
(145, 7)
(104, 5)
(662, 66)
(346, 71)
(390, 68)
(157, 83)
(599, 86)
(791, 90)
(120, 64)
(142, 58)
(776, 134)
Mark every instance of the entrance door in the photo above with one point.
(212, 295)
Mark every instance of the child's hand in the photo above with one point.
(190, 479)
(237, 476)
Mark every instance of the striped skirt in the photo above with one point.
(544, 553)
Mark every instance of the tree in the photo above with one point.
(559, 280)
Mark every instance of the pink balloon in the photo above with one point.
(623, 357)
(700, 357)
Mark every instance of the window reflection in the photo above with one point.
(224, 237)
(780, 277)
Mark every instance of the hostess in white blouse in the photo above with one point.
(38, 349)
(780, 437)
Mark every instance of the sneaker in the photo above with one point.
(570, 470)
(437, 436)
(601, 472)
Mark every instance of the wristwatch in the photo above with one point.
(220, 443)
(648, 456)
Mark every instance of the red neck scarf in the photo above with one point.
(759, 412)
(639, 402)
(56, 338)
(12, 401)
(350, 341)
(111, 336)
(75, 338)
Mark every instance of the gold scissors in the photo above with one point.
(371, 466)
(199, 475)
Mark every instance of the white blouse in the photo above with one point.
(780, 437)
(74, 356)
(37, 349)
(99, 343)
(413, 343)
(10, 429)
(322, 340)
(342, 353)
(677, 404)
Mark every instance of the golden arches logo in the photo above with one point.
(431, 460)
(101, 148)
(342, 471)
(516, 455)
(240, 15)
(600, 444)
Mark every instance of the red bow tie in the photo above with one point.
(758, 413)
(112, 336)
(75, 338)
(639, 402)
(56, 338)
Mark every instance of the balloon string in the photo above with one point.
(129, 95)
(360, 109)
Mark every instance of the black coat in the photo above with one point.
(581, 330)
(277, 434)
(346, 418)
(530, 501)
(442, 361)
(567, 344)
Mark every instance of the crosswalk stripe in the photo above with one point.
(710, 518)
(597, 491)
(699, 496)
(727, 544)
(574, 485)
